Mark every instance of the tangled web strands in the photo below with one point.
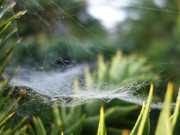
(59, 86)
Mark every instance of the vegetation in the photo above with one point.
(116, 117)
(167, 123)
(119, 71)
(7, 105)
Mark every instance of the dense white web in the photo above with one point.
(57, 84)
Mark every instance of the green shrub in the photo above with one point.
(119, 71)
(7, 104)
(167, 124)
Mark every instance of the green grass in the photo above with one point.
(85, 119)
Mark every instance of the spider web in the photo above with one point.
(43, 73)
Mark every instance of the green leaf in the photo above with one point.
(6, 118)
(88, 78)
(102, 127)
(55, 127)
(40, 130)
(5, 99)
(163, 125)
(4, 29)
(17, 15)
(31, 131)
(73, 116)
(120, 112)
(118, 69)
(92, 108)
(5, 64)
(2, 85)
(6, 132)
(176, 115)
(22, 131)
(76, 128)
(9, 51)
(95, 119)
(92, 128)
(102, 70)
(135, 129)
(7, 38)
(19, 124)
(5, 83)
(9, 7)
(145, 116)
(10, 106)
(13, 74)
(56, 115)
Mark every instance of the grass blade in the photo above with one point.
(7, 118)
(163, 125)
(76, 128)
(5, 99)
(19, 124)
(22, 131)
(19, 14)
(56, 115)
(7, 9)
(176, 114)
(4, 29)
(40, 130)
(9, 51)
(7, 38)
(102, 127)
(88, 78)
(134, 130)
(31, 131)
(5, 64)
(146, 113)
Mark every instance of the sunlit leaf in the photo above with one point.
(6, 118)
(101, 127)
(5, 10)
(136, 126)
(164, 125)
(102, 69)
(176, 115)
(17, 15)
(88, 78)
(4, 29)
(145, 115)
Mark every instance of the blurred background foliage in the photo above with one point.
(154, 35)
(63, 30)
(60, 32)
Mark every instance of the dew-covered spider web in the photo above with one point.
(62, 38)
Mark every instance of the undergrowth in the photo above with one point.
(86, 119)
